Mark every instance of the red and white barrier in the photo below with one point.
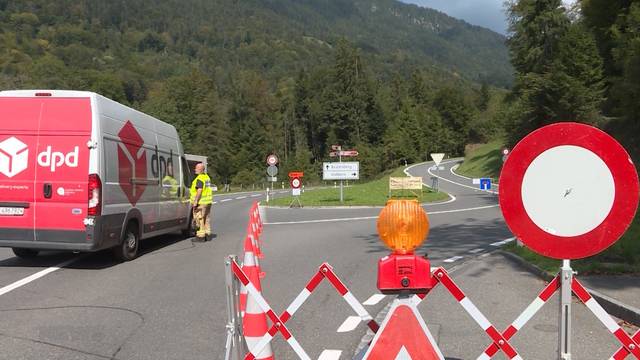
(622, 353)
(628, 343)
(526, 315)
(325, 271)
(443, 277)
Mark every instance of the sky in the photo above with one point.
(485, 13)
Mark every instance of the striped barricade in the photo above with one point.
(628, 343)
(279, 322)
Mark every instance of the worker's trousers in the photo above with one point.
(202, 216)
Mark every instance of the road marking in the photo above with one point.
(374, 299)
(459, 184)
(451, 169)
(241, 197)
(349, 324)
(454, 259)
(503, 242)
(451, 197)
(36, 276)
(215, 202)
(330, 355)
(255, 195)
(475, 251)
(225, 200)
(375, 217)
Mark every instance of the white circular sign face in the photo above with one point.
(295, 183)
(568, 191)
(272, 160)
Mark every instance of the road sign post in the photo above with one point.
(568, 191)
(348, 170)
(296, 184)
(437, 159)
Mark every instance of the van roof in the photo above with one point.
(77, 94)
(49, 93)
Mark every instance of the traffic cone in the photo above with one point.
(257, 218)
(254, 327)
(251, 267)
(256, 241)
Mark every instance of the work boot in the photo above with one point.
(199, 239)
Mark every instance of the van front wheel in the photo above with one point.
(128, 249)
(25, 253)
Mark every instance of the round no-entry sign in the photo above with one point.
(568, 190)
(296, 183)
(272, 160)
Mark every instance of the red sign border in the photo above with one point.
(272, 156)
(625, 202)
(292, 180)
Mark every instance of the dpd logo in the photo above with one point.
(132, 162)
(14, 157)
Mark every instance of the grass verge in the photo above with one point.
(621, 258)
(372, 193)
(483, 161)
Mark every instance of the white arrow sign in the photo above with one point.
(341, 170)
(437, 158)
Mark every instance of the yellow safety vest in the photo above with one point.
(206, 197)
(169, 186)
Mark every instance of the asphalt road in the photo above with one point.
(170, 302)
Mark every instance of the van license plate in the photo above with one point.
(11, 211)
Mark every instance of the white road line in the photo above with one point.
(241, 197)
(454, 259)
(35, 276)
(215, 202)
(475, 251)
(456, 183)
(451, 197)
(349, 324)
(374, 300)
(225, 200)
(452, 170)
(255, 195)
(330, 355)
(375, 217)
(503, 242)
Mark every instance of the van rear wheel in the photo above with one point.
(128, 249)
(25, 253)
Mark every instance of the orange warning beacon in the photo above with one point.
(403, 226)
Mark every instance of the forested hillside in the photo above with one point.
(241, 79)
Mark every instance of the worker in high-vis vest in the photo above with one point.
(201, 199)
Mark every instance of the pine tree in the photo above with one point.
(559, 71)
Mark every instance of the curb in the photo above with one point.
(612, 306)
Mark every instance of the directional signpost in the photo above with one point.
(568, 191)
(341, 171)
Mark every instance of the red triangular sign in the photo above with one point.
(403, 336)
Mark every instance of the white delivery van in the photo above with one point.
(81, 172)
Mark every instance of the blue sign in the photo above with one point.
(485, 184)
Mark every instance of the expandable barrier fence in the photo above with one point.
(249, 336)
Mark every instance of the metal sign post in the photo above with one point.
(566, 278)
(235, 345)
(341, 195)
(550, 217)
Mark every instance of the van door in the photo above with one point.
(62, 175)
(18, 141)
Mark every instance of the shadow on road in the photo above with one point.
(101, 259)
